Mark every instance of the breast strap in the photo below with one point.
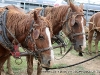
(4, 41)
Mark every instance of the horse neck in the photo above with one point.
(19, 25)
(56, 15)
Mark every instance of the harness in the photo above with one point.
(94, 26)
(37, 52)
(4, 41)
(65, 23)
(14, 49)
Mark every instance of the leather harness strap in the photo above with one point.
(4, 41)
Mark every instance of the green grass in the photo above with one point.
(58, 65)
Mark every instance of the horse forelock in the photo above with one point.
(46, 23)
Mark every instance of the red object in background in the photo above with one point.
(56, 5)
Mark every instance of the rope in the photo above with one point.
(60, 67)
(65, 53)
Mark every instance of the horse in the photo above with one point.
(68, 18)
(32, 32)
(94, 27)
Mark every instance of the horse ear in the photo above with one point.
(35, 34)
(73, 20)
(36, 16)
(81, 6)
(72, 6)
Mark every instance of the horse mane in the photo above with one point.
(18, 23)
(13, 7)
(56, 15)
(57, 12)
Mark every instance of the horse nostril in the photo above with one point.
(80, 46)
(49, 62)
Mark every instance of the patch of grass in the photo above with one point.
(58, 65)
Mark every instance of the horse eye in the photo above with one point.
(76, 24)
(41, 37)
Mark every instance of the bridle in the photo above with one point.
(65, 23)
(36, 52)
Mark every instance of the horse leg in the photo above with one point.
(90, 40)
(39, 69)
(29, 65)
(10, 71)
(96, 42)
(2, 61)
(2, 71)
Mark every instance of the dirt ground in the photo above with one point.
(88, 68)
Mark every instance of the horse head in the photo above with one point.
(74, 27)
(40, 42)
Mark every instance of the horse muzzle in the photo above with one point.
(78, 46)
(46, 61)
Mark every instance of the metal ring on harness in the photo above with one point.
(17, 61)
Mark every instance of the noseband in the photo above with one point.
(37, 52)
(68, 16)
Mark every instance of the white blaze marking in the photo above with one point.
(84, 38)
(50, 45)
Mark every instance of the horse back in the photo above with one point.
(95, 22)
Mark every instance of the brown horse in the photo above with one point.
(33, 32)
(68, 18)
(94, 26)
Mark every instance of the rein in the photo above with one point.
(60, 67)
(65, 53)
